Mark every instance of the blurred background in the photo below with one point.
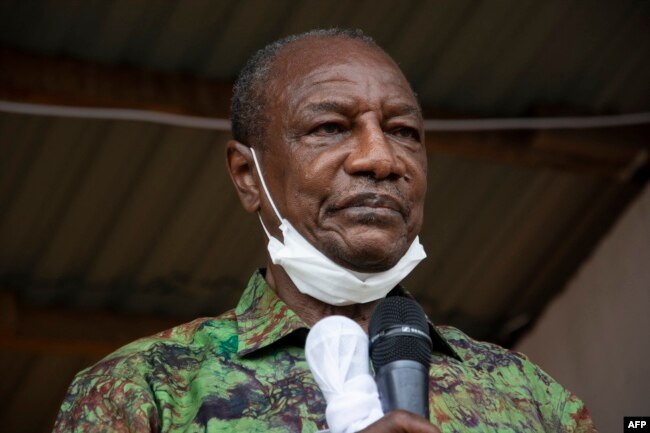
(118, 220)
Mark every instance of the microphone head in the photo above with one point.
(399, 331)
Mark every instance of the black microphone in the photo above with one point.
(400, 350)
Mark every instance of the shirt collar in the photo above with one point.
(263, 318)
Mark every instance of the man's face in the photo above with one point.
(344, 155)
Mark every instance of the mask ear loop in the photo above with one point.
(266, 191)
(268, 235)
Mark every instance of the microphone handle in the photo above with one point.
(404, 384)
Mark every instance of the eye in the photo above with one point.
(407, 133)
(329, 128)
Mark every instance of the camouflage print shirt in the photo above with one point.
(245, 371)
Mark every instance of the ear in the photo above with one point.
(239, 161)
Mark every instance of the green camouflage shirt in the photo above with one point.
(246, 371)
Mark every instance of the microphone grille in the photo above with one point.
(391, 313)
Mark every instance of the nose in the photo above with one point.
(374, 155)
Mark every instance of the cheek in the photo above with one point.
(319, 169)
(417, 171)
(309, 182)
(417, 191)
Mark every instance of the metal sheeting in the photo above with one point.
(495, 58)
(109, 206)
(490, 229)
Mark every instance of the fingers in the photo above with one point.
(400, 421)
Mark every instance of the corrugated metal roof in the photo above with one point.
(112, 205)
(499, 58)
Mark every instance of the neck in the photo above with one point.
(309, 309)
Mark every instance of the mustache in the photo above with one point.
(386, 196)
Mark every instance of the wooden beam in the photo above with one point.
(37, 78)
(85, 348)
(8, 313)
(614, 153)
(60, 331)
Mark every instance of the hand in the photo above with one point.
(401, 421)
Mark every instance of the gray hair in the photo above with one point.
(248, 121)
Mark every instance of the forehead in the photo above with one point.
(327, 66)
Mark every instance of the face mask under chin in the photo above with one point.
(316, 275)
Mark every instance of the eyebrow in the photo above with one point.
(405, 110)
(325, 107)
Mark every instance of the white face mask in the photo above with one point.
(314, 274)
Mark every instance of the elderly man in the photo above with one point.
(328, 149)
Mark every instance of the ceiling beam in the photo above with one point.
(55, 80)
(615, 153)
(618, 154)
(66, 332)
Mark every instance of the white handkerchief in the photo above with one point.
(337, 354)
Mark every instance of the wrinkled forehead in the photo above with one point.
(299, 60)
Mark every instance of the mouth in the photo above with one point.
(372, 202)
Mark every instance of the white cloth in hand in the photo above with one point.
(337, 354)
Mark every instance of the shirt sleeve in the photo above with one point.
(562, 411)
(107, 404)
(575, 417)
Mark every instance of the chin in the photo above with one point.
(370, 258)
(369, 266)
(365, 249)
